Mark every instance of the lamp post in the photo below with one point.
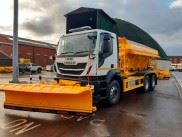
(15, 44)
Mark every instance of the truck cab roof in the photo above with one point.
(87, 31)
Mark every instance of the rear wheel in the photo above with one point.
(113, 92)
(146, 82)
(152, 82)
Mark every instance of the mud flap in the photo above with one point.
(43, 97)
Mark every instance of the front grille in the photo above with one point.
(71, 72)
(74, 69)
(78, 66)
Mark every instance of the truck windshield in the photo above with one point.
(77, 44)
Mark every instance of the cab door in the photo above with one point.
(108, 56)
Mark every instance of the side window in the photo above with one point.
(106, 44)
(105, 47)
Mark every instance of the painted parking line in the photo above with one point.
(178, 85)
(20, 126)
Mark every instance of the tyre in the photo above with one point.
(113, 93)
(39, 70)
(152, 82)
(146, 82)
(23, 71)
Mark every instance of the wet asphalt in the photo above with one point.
(138, 114)
(179, 76)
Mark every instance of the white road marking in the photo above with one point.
(178, 85)
(179, 91)
(24, 128)
(20, 126)
(14, 123)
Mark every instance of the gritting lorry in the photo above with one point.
(103, 67)
(91, 65)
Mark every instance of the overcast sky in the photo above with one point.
(44, 19)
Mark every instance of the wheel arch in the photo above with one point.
(114, 75)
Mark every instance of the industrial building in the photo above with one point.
(175, 59)
(5, 60)
(38, 52)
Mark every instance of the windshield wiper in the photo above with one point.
(66, 53)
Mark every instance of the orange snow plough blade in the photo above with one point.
(48, 98)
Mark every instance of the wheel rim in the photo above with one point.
(113, 93)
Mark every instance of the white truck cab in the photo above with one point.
(89, 57)
(87, 53)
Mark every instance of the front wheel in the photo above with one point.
(39, 70)
(113, 92)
